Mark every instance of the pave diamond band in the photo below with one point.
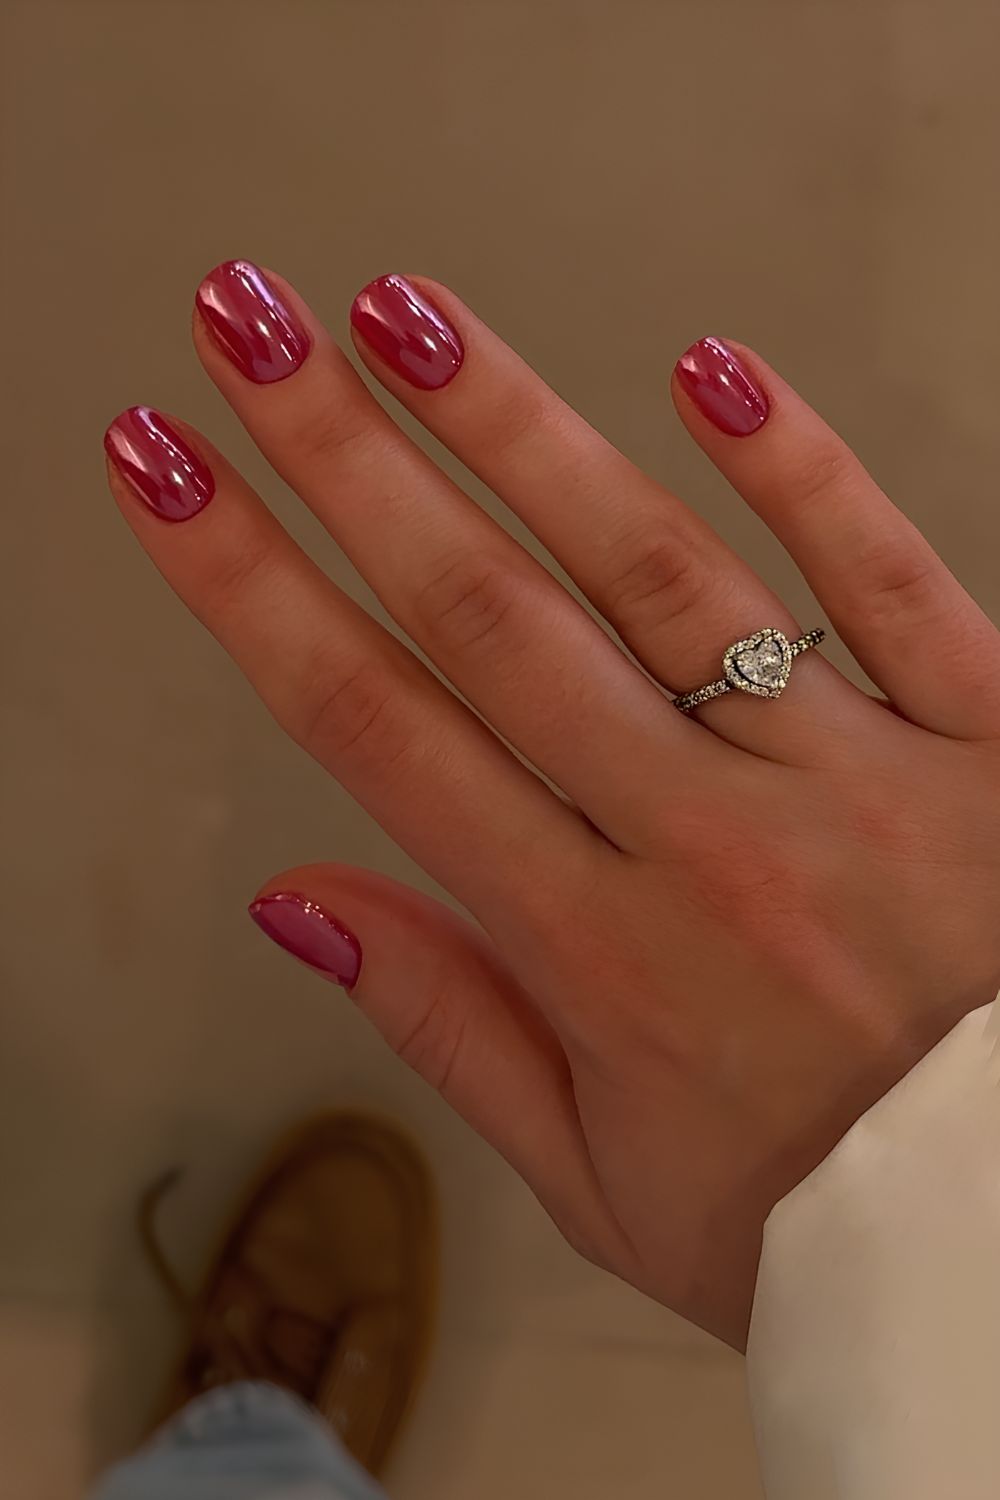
(758, 664)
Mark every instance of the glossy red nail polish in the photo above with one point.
(160, 466)
(408, 332)
(311, 934)
(722, 389)
(251, 323)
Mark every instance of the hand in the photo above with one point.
(688, 976)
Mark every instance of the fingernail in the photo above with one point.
(311, 934)
(160, 466)
(250, 322)
(721, 388)
(408, 332)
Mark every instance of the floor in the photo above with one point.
(604, 183)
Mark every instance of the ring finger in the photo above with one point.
(673, 590)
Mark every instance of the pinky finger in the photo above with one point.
(908, 621)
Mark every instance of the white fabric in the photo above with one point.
(874, 1358)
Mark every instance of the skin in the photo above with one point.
(681, 982)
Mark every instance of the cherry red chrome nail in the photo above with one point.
(408, 332)
(312, 934)
(162, 469)
(251, 323)
(722, 389)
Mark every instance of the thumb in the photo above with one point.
(436, 988)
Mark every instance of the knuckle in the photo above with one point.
(828, 468)
(351, 717)
(432, 1047)
(748, 875)
(515, 418)
(330, 433)
(896, 585)
(748, 882)
(662, 581)
(232, 580)
(466, 602)
(887, 827)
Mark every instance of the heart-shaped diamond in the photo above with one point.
(759, 664)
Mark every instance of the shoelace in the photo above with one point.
(231, 1353)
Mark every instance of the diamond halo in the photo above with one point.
(760, 663)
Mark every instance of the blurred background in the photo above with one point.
(604, 181)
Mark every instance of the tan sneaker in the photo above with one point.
(325, 1283)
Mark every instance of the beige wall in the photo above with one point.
(604, 181)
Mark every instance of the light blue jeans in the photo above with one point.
(241, 1442)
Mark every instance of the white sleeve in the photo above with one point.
(874, 1354)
